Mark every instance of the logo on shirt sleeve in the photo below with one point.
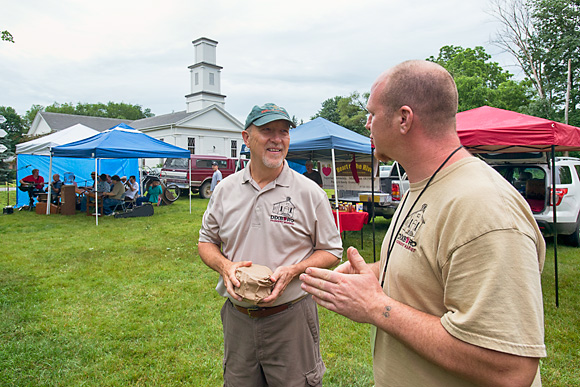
(283, 212)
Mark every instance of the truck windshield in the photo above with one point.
(176, 163)
(206, 163)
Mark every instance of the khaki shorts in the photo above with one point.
(279, 350)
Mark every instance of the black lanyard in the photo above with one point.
(393, 237)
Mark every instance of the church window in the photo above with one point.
(191, 145)
(197, 78)
(211, 79)
(234, 149)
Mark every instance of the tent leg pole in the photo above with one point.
(335, 189)
(555, 224)
(189, 184)
(48, 198)
(96, 194)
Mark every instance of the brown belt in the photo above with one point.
(257, 312)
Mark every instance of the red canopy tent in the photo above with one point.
(488, 129)
(492, 130)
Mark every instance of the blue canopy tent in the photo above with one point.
(321, 139)
(121, 141)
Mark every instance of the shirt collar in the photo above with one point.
(283, 178)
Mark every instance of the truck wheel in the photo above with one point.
(172, 192)
(204, 191)
(574, 238)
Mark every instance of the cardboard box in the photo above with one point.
(41, 208)
(380, 198)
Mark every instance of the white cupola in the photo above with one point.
(205, 77)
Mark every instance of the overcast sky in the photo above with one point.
(294, 53)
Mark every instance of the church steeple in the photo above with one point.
(205, 77)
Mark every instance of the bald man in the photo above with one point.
(456, 298)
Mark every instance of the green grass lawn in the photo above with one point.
(129, 303)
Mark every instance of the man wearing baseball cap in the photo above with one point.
(269, 215)
(216, 177)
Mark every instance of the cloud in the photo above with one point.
(296, 54)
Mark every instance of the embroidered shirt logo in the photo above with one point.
(283, 212)
(410, 229)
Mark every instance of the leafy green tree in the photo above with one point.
(353, 113)
(110, 110)
(482, 82)
(542, 35)
(516, 36)
(6, 36)
(349, 112)
(329, 110)
(295, 121)
(65, 108)
(556, 24)
(31, 114)
(15, 128)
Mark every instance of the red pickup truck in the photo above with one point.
(176, 171)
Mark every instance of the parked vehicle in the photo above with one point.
(393, 183)
(385, 170)
(176, 172)
(530, 174)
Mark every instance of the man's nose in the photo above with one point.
(276, 137)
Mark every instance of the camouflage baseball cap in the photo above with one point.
(262, 115)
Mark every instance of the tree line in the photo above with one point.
(17, 126)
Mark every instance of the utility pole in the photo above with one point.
(569, 86)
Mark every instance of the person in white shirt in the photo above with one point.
(132, 188)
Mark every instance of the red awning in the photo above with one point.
(488, 129)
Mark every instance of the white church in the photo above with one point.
(205, 127)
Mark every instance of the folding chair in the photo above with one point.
(129, 203)
(121, 205)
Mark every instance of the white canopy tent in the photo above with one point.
(41, 146)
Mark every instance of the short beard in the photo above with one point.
(271, 164)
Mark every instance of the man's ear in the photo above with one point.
(405, 119)
(246, 137)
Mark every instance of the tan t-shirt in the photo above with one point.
(469, 251)
(118, 190)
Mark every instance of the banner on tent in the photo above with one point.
(352, 176)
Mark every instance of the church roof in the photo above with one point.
(164, 119)
(178, 117)
(59, 121)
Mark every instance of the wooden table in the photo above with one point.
(352, 221)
